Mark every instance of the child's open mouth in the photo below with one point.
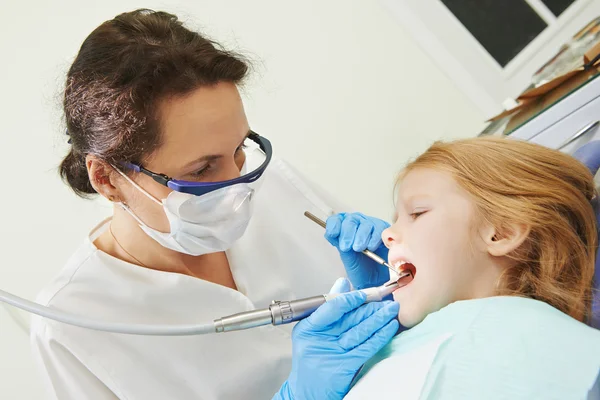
(407, 272)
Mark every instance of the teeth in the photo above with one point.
(398, 264)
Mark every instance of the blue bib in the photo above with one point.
(493, 348)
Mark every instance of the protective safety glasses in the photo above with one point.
(200, 188)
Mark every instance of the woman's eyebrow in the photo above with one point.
(212, 157)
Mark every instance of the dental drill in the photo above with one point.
(285, 312)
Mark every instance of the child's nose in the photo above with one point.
(389, 237)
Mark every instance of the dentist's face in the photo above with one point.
(436, 231)
(202, 137)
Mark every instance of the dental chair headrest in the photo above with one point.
(589, 154)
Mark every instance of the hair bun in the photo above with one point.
(74, 171)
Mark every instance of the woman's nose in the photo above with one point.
(232, 170)
(389, 237)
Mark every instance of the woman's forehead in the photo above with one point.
(207, 122)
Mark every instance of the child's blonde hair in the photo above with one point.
(516, 182)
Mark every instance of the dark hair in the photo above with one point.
(122, 71)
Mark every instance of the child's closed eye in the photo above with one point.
(416, 214)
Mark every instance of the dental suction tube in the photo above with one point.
(114, 327)
(279, 312)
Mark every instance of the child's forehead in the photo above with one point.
(424, 181)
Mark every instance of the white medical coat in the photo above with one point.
(282, 255)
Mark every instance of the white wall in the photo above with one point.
(339, 88)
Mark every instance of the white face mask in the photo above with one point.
(201, 224)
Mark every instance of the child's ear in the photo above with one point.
(500, 242)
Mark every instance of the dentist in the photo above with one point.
(206, 223)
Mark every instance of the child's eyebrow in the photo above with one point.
(401, 202)
(417, 196)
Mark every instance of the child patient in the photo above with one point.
(501, 237)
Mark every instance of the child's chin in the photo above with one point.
(410, 318)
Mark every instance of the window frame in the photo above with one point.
(466, 62)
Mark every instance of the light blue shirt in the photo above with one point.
(494, 348)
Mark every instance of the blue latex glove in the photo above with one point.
(332, 344)
(353, 233)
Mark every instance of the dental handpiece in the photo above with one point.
(366, 252)
(285, 312)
